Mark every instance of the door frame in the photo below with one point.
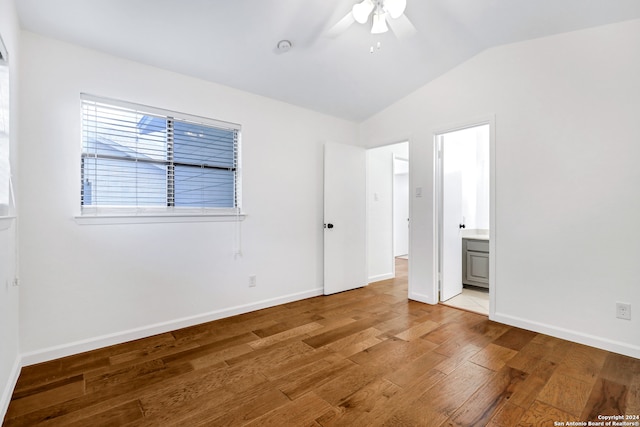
(393, 213)
(438, 202)
(391, 242)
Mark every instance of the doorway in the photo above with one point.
(463, 216)
(400, 207)
(387, 209)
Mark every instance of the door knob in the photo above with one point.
(328, 225)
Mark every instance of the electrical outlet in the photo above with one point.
(252, 281)
(623, 311)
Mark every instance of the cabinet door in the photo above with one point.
(478, 267)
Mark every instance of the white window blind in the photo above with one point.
(144, 159)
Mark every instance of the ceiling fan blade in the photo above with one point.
(402, 27)
(341, 26)
(361, 11)
(395, 8)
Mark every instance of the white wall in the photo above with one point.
(9, 295)
(89, 285)
(567, 153)
(380, 209)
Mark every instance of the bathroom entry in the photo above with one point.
(463, 199)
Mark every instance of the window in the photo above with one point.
(138, 159)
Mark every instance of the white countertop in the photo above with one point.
(477, 237)
(475, 234)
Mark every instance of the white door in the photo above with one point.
(345, 259)
(451, 277)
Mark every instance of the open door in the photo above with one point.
(463, 190)
(345, 258)
(452, 221)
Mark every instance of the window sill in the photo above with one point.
(6, 222)
(156, 218)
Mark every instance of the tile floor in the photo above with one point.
(472, 299)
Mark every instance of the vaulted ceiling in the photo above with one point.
(233, 42)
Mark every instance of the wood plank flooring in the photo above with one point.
(366, 357)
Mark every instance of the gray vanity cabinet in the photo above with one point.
(475, 262)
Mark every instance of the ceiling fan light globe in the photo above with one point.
(379, 24)
(361, 11)
(395, 8)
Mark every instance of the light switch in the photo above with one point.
(418, 191)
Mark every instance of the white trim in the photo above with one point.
(568, 334)
(437, 215)
(80, 346)
(154, 219)
(425, 298)
(379, 277)
(493, 255)
(5, 399)
(393, 214)
(410, 279)
(6, 222)
(466, 124)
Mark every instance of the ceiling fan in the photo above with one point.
(383, 12)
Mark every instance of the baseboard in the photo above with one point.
(9, 387)
(81, 346)
(569, 335)
(415, 296)
(379, 277)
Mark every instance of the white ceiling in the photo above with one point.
(233, 42)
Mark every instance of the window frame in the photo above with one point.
(91, 214)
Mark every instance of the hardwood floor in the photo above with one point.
(366, 357)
